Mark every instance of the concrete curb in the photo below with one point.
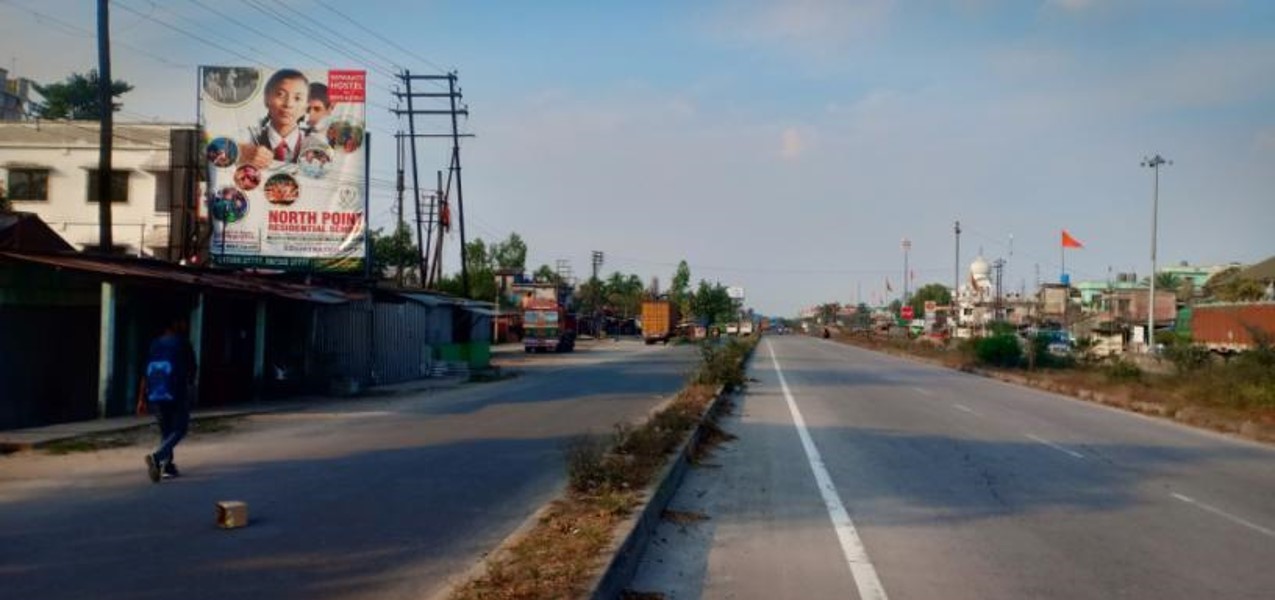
(638, 528)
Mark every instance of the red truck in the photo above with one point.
(547, 326)
(1230, 327)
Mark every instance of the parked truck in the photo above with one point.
(659, 321)
(547, 326)
(1229, 328)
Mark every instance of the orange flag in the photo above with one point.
(1070, 242)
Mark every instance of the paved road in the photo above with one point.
(955, 486)
(367, 499)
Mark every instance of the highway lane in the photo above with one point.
(371, 498)
(957, 486)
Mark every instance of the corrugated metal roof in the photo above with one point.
(159, 272)
(85, 134)
(427, 299)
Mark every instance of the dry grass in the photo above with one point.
(561, 553)
(1237, 397)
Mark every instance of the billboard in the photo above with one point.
(285, 167)
(735, 292)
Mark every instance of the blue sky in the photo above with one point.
(788, 146)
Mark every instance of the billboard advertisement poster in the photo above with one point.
(285, 167)
(735, 292)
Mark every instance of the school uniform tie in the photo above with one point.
(281, 151)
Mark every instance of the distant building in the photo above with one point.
(1196, 275)
(15, 97)
(49, 169)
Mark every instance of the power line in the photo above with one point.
(379, 36)
(193, 35)
(317, 36)
(77, 31)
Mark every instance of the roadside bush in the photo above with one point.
(1122, 371)
(588, 464)
(724, 363)
(1187, 357)
(1000, 350)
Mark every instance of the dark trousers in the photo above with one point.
(173, 417)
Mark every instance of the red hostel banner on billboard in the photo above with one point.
(285, 166)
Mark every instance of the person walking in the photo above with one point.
(170, 369)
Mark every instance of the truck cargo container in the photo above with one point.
(659, 321)
(1231, 327)
(547, 326)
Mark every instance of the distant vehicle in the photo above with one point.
(659, 321)
(732, 328)
(1230, 328)
(746, 328)
(547, 326)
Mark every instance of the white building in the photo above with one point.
(49, 167)
(975, 299)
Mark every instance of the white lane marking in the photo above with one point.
(861, 569)
(923, 391)
(962, 407)
(1221, 513)
(1046, 442)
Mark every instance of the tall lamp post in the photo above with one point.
(1154, 163)
(907, 245)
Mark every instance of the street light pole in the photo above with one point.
(956, 272)
(907, 245)
(1154, 163)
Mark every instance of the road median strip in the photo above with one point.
(587, 542)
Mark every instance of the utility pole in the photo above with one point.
(907, 245)
(1154, 163)
(453, 94)
(416, 182)
(598, 259)
(398, 180)
(956, 272)
(999, 265)
(443, 194)
(106, 132)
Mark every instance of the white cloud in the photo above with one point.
(808, 27)
(791, 144)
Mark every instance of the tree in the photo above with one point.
(712, 304)
(1168, 282)
(546, 274)
(936, 292)
(679, 291)
(482, 278)
(624, 294)
(397, 252)
(76, 97)
(509, 254)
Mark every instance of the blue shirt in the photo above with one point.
(170, 365)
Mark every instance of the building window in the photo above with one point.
(28, 184)
(119, 186)
(163, 191)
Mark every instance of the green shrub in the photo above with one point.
(724, 363)
(1000, 350)
(1187, 357)
(1122, 370)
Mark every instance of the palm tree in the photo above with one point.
(1168, 282)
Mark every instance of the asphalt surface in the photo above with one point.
(374, 498)
(955, 486)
